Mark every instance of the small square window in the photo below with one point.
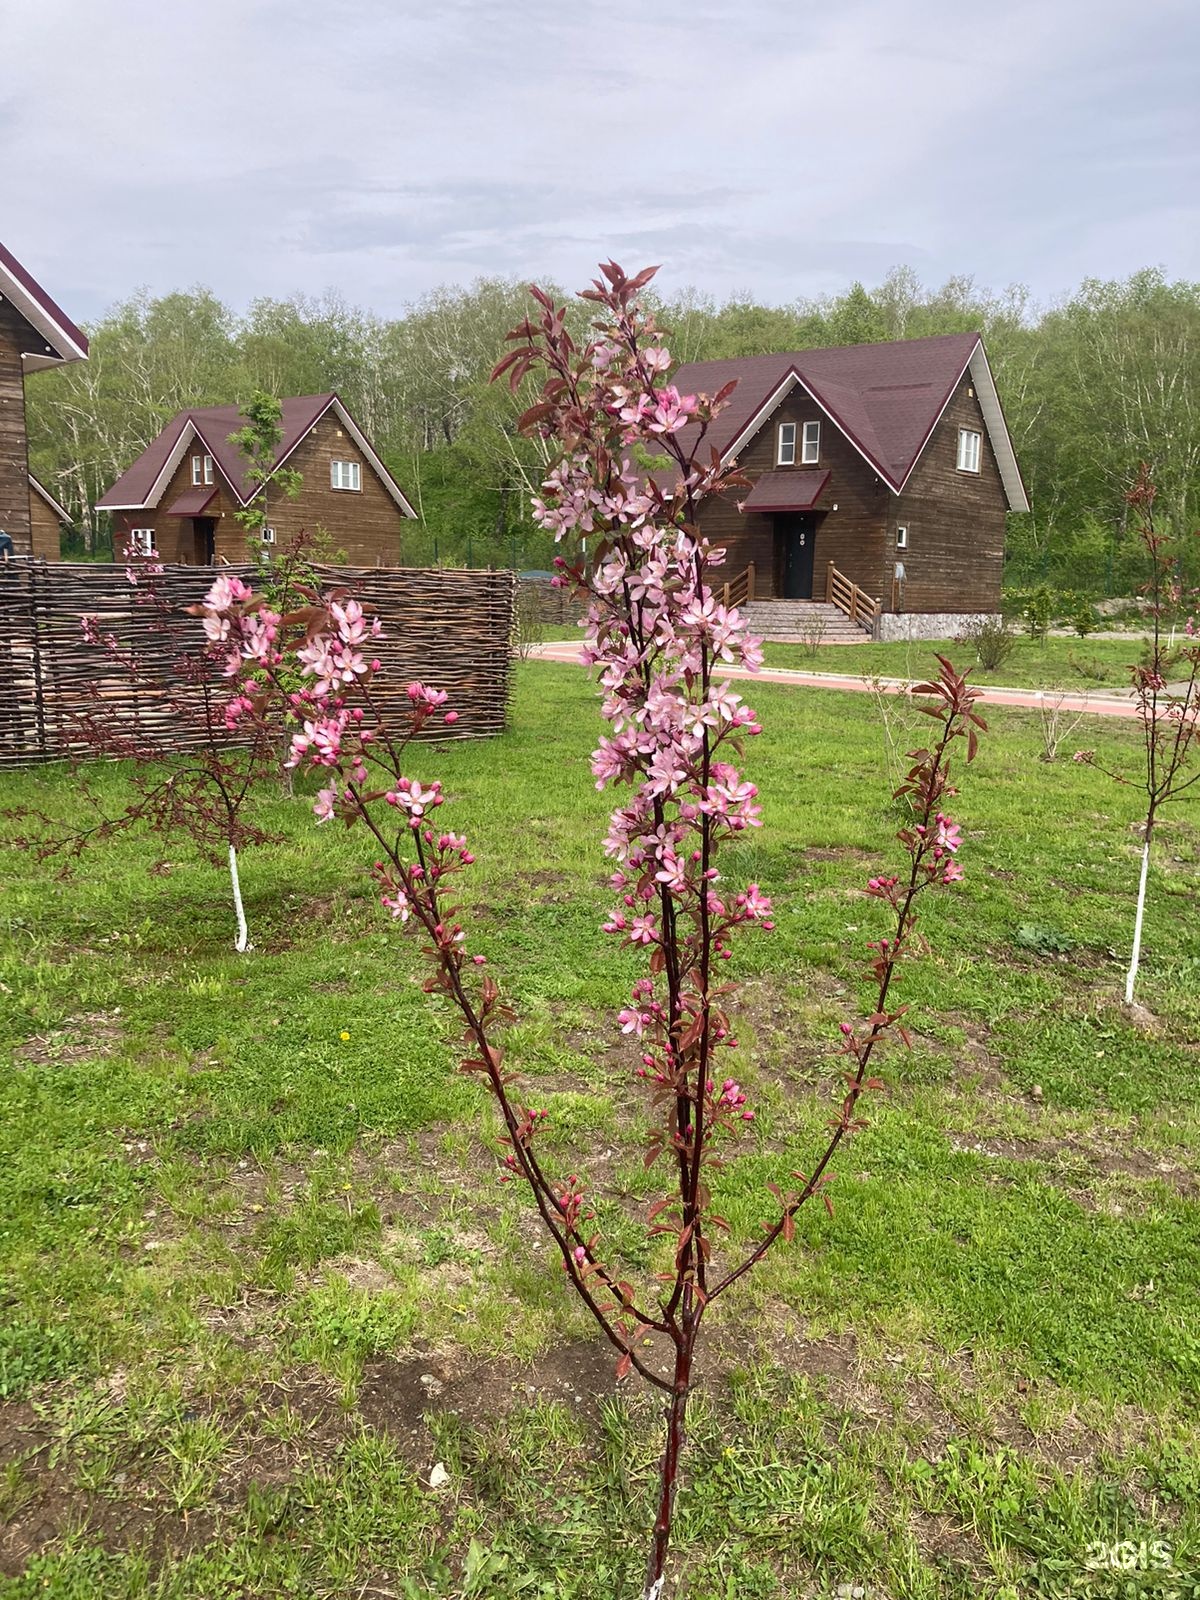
(811, 451)
(345, 475)
(901, 538)
(785, 454)
(968, 450)
(268, 535)
(141, 541)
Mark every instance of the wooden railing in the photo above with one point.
(844, 593)
(739, 591)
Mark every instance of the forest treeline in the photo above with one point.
(1091, 386)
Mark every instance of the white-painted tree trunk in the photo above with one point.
(1131, 975)
(242, 942)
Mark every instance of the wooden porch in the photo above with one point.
(848, 610)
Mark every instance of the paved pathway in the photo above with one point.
(1105, 703)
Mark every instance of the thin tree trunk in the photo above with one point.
(242, 942)
(1131, 976)
(669, 1475)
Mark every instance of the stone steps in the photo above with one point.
(796, 621)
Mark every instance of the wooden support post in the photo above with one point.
(750, 583)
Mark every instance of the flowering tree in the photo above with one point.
(676, 728)
(195, 761)
(1169, 716)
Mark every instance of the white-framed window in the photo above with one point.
(785, 450)
(141, 541)
(208, 469)
(197, 469)
(901, 538)
(810, 452)
(968, 450)
(345, 475)
(268, 535)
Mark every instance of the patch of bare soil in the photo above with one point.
(1130, 1162)
(933, 1395)
(398, 1393)
(275, 1435)
(89, 1037)
(48, 1502)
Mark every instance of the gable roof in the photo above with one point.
(58, 339)
(43, 493)
(141, 485)
(886, 399)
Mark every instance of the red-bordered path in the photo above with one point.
(1110, 703)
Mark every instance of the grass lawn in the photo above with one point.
(258, 1276)
(1077, 664)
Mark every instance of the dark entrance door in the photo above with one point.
(205, 529)
(795, 543)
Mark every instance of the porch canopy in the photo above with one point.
(192, 503)
(786, 491)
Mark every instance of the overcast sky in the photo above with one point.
(382, 147)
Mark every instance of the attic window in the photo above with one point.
(202, 469)
(345, 475)
(968, 450)
(785, 454)
(810, 454)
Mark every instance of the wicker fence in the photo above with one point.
(450, 628)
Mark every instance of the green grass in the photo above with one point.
(234, 1245)
(1078, 664)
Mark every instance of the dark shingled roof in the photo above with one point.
(885, 397)
(214, 424)
(192, 503)
(793, 490)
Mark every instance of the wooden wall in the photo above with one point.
(955, 520)
(46, 529)
(14, 450)
(852, 536)
(364, 527)
(367, 526)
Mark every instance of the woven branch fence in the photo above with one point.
(452, 629)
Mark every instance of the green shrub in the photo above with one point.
(1039, 611)
(992, 640)
(1084, 620)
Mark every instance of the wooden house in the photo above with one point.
(47, 519)
(34, 333)
(881, 478)
(179, 500)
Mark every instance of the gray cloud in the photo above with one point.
(384, 146)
